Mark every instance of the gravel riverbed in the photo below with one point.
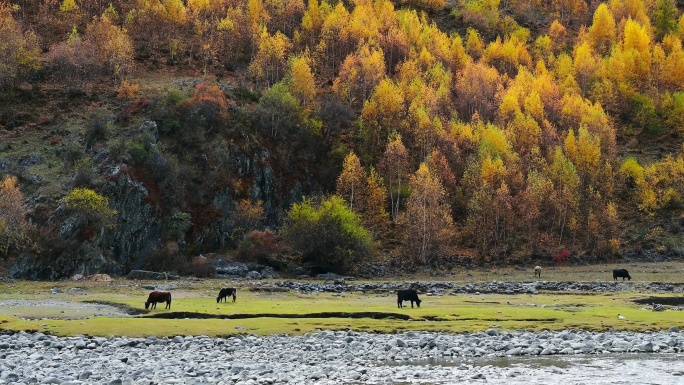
(454, 288)
(345, 357)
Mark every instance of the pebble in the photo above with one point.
(326, 357)
(438, 288)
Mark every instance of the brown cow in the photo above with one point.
(158, 296)
(537, 271)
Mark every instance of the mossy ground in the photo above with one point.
(448, 313)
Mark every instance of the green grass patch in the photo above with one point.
(266, 313)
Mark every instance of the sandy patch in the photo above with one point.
(57, 309)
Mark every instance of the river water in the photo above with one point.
(642, 369)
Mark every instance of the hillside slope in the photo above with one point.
(140, 134)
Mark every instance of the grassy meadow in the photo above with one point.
(264, 312)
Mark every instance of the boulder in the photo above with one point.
(149, 127)
(28, 266)
(269, 273)
(334, 277)
(100, 278)
(253, 275)
(231, 268)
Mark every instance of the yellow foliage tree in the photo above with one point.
(585, 66)
(68, 6)
(428, 222)
(558, 34)
(270, 62)
(565, 195)
(360, 73)
(350, 183)
(383, 113)
(334, 45)
(112, 47)
(364, 193)
(394, 167)
(302, 83)
(602, 31)
(90, 207)
(585, 154)
(19, 51)
(476, 89)
(569, 9)
(14, 223)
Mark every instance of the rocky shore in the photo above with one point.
(325, 357)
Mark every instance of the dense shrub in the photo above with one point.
(201, 267)
(167, 257)
(561, 257)
(96, 126)
(328, 234)
(258, 246)
(91, 208)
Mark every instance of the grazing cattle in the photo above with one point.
(407, 295)
(537, 271)
(158, 296)
(225, 292)
(621, 273)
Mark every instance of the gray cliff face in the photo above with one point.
(137, 229)
(276, 190)
(264, 187)
(114, 250)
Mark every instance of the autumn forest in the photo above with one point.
(340, 132)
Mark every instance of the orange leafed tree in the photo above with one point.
(476, 88)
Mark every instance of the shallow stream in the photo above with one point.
(626, 368)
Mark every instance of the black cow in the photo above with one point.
(621, 273)
(407, 295)
(225, 292)
(158, 296)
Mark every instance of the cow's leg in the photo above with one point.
(411, 304)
